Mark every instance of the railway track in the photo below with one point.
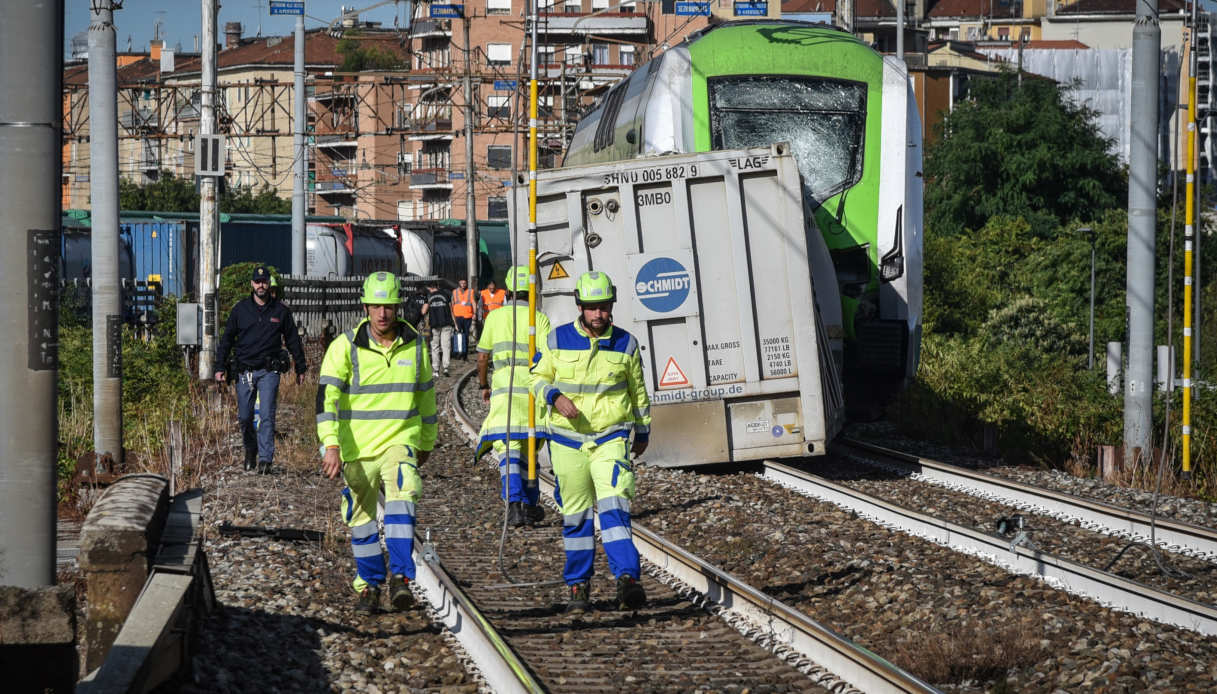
(1015, 551)
(677, 642)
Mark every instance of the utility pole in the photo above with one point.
(900, 30)
(31, 83)
(1142, 169)
(107, 292)
(471, 232)
(209, 218)
(847, 15)
(299, 237)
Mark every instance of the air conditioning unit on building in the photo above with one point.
(403, 162)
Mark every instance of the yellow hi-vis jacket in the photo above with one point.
(371, 397)
(602, 376)
(510, 380)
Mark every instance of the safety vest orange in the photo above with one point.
(462, 303)
(492, 301)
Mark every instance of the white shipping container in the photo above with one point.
(713, 259)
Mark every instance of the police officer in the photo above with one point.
(590, 373)
(504, 344)
(376, 418)
(258, 327)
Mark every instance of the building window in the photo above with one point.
(627, 55)
(1003, 33)
(574, 55)
(627, 6)
(498, 53)
(600, 54)
(498, 156)
(496, 208)
(574, 7)
(498, 7)
(600, 4)
(498, 106)
(545, 53)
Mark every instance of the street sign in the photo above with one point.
(504, 85)
(456, 176)
(751, 9)
(288, 7)
(693, 9)
(447, 11)
(210, 153)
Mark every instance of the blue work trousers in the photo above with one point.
(265, 386)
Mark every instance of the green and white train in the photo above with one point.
(852, 122)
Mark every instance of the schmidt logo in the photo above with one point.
(662, 285)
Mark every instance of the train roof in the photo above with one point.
(81, 219)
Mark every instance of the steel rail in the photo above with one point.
(782, 624)
(1106, 588)
(1114, 520)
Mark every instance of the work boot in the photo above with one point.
(533, 513)
(580, 600)
(369, 600)
(263, 467)
(515, 514)
(251, 457)
(399, 595)
(630, 595)
(445, 371)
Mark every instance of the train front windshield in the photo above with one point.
(824, 120)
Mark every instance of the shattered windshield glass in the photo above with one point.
(823, 120)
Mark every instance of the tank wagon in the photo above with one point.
(852, 124)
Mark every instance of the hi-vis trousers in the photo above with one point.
(599, 474)
(513, 468)
(397, 470)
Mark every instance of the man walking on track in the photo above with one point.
(504, 344)
(258, 327)
(376, 418)
(490, 298)
(590, 373)
(439, 316)
(463, 302)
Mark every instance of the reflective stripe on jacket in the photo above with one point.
(602, 376)
(462, 303)
(505, 339)
(371, 397)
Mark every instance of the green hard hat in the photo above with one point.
(380, 288)
(517, 279)
(593, 288)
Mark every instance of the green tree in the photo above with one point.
(1021, 151)
(172, 194)
(358, 56)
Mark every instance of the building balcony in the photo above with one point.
(335, 142)
(425, 28)
(430, 179)
(623, 24)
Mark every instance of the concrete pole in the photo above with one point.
(846, 16)
(1143, 164)
(209, 218)
(31, 79)
(107, 290)
(900, 29)
(471, 231)
(299, 237)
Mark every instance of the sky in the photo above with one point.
(181, 20)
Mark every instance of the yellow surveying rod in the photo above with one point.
(1188, 235)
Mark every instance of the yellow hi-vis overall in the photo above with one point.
(505, 339)
(590, 454)
(378, 405)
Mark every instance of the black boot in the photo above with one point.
(630, 595)
(515, 514)
(263, 467)
(251, 458)
(369, 600)
(399, 595)
(533, 513)
(580, 598)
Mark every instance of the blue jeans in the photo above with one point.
(265, 384)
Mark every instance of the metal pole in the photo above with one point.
(1188, 239)
(31, 78)
(107, 291)
(471, 231)
(209, 219)
(1091, 352)
(532, 239)
(900, 29)
(299, 253)
(1143, 163)
(847, 15)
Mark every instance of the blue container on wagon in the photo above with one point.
(161, 251)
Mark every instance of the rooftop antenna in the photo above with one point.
(259, 4)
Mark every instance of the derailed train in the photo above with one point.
(852, 123)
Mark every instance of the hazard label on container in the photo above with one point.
(672, 375)
(558, 272)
